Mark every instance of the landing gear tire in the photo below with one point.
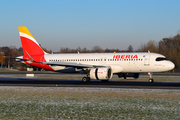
(151, 80)
(86, 79)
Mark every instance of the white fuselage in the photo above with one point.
(119, 62)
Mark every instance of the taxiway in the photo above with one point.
(34, 82)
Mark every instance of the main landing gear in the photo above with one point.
(86, 79)
(150, 77)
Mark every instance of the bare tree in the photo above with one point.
(151, 46)
(170, 47)
(1, 58)
(130, 48)
(97, 49)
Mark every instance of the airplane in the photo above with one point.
(95, 66)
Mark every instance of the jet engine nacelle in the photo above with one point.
(128, 75)
(101, 73)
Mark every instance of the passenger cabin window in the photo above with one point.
(160, 58)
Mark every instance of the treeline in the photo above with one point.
(95, 49)
(13, 52)
(169, 47)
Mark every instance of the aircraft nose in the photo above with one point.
(171, 65)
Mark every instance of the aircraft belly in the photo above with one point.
(116, 68)
(56, 68)
(131, 68)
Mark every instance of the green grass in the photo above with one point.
(88, 103)
(79, 109)
(7, 70)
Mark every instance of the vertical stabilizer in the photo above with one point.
(29, 44)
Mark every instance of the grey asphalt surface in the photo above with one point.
(56, 73)
(34, 82)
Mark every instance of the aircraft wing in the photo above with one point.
(66, 64)
(76, 65)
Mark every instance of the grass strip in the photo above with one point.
(88, 103)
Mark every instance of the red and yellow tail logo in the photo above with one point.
(29, 44)
(32, 50)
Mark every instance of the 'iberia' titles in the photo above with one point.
(125, 56)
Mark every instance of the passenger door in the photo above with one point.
(147, 59)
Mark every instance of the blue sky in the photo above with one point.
(89, 23)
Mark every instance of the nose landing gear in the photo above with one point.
(150, 77)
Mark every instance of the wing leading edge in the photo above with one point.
(66, 64)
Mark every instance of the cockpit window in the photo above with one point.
(160, 59)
